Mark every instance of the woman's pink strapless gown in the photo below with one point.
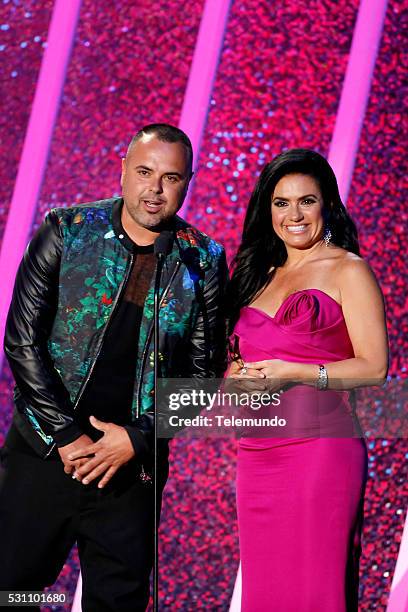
(300, 499)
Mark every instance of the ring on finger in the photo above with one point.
(244, 370)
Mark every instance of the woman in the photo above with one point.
(304, 307)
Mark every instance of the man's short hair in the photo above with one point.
(166, 133)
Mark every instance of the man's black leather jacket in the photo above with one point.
(57, 319)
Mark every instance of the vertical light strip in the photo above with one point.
(355, 92)
(202, 74)
(398, 600)
(36, 147)
(349, 120)
(235, 605)
(76, 604)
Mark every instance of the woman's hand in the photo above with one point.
(241, 370)
(241, 379)
(276, 373)
(266, 375)
(273, 368)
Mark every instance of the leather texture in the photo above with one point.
(40, 338)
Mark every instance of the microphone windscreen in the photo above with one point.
(163, 244)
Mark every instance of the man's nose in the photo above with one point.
(156, 184)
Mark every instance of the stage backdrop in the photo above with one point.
(278, 85)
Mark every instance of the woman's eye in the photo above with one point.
(308, 201)
(280, 204)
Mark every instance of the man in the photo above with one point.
(77, 462)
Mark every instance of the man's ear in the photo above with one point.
(190, 178)
(123, 171)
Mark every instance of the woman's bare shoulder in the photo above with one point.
(354, 274)
(352, 264)
(344, 261)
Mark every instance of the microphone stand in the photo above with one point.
(160, 261)
(162, 248)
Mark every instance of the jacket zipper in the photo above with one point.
(99, 346)
(149, 335)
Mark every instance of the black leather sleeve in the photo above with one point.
(208, 342)
(141, 435)
(28, 328)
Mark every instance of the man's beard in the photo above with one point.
(154, 223)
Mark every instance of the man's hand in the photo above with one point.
(109, 453)
(83, 442)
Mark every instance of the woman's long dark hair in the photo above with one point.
(261, 249)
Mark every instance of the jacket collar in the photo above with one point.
(191, 244)
(188, 240)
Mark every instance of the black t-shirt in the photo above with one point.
(109, 393)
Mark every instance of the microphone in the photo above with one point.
(163, 244)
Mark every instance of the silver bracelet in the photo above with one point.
(322, 379)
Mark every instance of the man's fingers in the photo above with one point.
(101, 425)
(100, 469)
(88, 466)
(112, 470)
(83, 452)
(79, 462)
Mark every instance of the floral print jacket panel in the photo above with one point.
(67, 287)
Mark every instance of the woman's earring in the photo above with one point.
(326, 236)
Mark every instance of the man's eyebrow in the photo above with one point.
(175, 173)
(169, 172)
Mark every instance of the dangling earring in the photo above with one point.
(327, 235)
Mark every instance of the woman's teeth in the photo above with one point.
(296, 229)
